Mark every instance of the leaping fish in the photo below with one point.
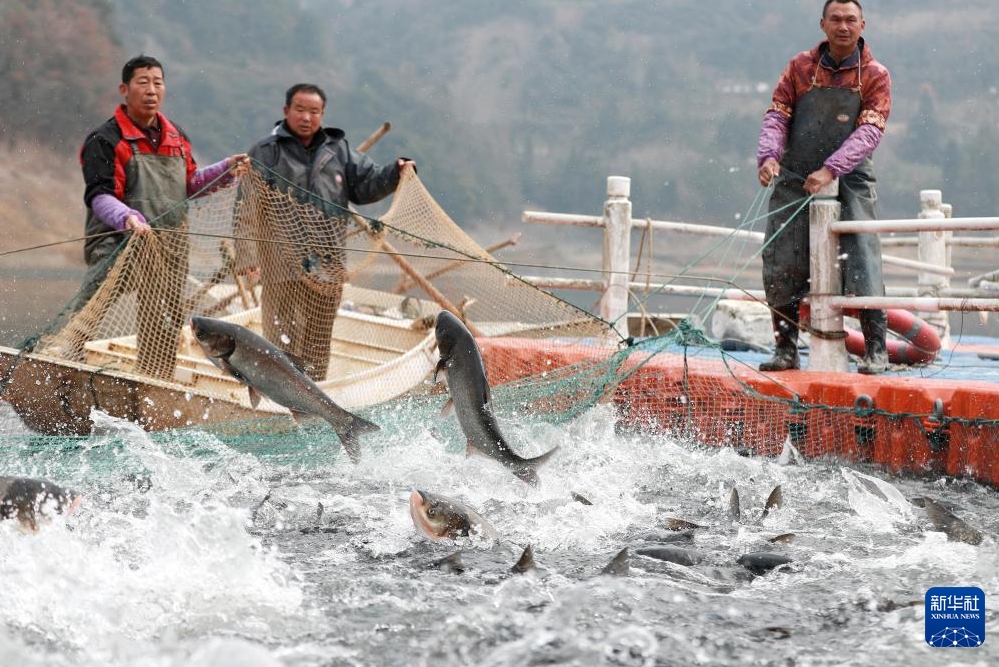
(461, 366)
(267, 369)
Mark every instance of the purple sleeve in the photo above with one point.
(112, 211)
(207, 175)
(859, 145)
(773, 137)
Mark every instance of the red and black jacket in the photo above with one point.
(106, 153)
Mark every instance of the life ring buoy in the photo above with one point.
(920, 345)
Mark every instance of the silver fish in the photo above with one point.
(439, 517)
(32, 501)
(268, 370)
(461, 365)
(948, 523)
(761, 562)
(671, 554)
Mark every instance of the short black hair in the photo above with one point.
(304, 87)
(842, 2)
(139, 62)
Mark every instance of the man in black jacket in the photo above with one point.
(302, 271)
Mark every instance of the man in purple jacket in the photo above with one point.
(828, 115)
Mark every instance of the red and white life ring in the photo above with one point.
(920, 345)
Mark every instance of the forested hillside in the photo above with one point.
(508, 106)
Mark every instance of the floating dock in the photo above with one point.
(937, 420)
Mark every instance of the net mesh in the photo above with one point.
(355, 297)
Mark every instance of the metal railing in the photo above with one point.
(931, 297)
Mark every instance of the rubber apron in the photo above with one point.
(823, 119)
(156, 186)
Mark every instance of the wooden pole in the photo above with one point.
(375, 136)
(405, 284)
(228, 260)
(406, 267)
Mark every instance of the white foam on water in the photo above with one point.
(228, 556)
(135, 572)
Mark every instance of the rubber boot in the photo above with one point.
(874, 325)
(786, 331)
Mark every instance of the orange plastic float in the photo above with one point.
(905, 424)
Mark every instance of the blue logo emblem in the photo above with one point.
(955, 617)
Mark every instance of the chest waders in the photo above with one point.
(303, 274)
(156, 185)
(823, 119)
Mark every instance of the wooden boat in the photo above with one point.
(382, 343)
(377, 354)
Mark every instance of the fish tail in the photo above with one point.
(528, 468)
(350, 436)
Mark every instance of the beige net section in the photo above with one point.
(354, 298)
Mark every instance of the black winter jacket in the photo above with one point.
(327, 172)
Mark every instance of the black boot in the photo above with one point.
(874, 325)
(786, 331)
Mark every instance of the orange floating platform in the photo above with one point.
(905, 424)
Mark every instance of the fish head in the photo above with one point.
(449, 331)
(214, 339)
(33, 502)
(437, 517)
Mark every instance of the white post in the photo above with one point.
(825, 353)
(617, 253)
(933, 250)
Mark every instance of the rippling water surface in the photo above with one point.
(193, 550)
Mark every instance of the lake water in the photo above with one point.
(31, 298)
(197, 550)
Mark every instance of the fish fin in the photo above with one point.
(448, 408)
(620, 565)
(526, 561)
(298, 362)
(774, 501)
(681, 524)
(27, 522)
(255, 396)
(471, 449)
(350, 437)
(786, 538)
(579, 498)
(734, 512)
(223, 363)
(441, 368)
(452, 563)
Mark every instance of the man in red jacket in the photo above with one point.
(138, 170)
